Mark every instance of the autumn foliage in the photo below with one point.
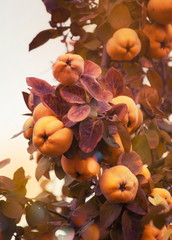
(103, 128)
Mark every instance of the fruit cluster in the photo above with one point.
(126, 45)
(84, 126)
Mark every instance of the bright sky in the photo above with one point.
(20, 21)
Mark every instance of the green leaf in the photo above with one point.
(141, 146)
(119, 17)
(21, 180)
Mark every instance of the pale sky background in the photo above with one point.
(20, 21)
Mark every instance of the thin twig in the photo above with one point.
(59, 214)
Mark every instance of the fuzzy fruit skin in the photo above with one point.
(159, 11)
(152, 233)
(41, 111)
(160, 39)
(123, 45)
(80, 169)
(139, 121)
(28, 133)
(68, 68)
(118, 184)
(50, 136)
(131, 118)
(164, 193)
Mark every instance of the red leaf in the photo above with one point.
(73, 94)
(56, 104)
(120, 110)
(90, 133)
(131, 160)
(39, 86)
(92, 69)
(43, 37)
(100, 106)
(43, 166)
(132, 226)
(114, 82)
(78, 113)
(124, 136)
(92, 86)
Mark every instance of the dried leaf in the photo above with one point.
(109, 212)
(78, 113)
(152, 137)
(73, 94)
(90, 133)
(114, 82)
(131, 160)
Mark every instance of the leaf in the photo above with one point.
(104, 31)
(78, 113)
(131, 160)
(119, 110)
(92, 86)
(141, 147)
(145, 63)
(6, 184)
(150, 99)
(21, 180)
(124, 136)
(109, 212)
(152, 137)
(155, 80)
(99, 107)
(4, 162)
(59, 172)
(116, 233)
(12, 209)
(114, 82)
(43, 37)
(56, 104)
(73, 94)
(119, 17)
(43, 166)
(92, 45)
(132, 227)
(92, 69)
(58, 12)
(67, 122)
(90, 133)
(88, 17)
(140, 204)
(39, 87)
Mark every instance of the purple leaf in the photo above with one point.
(67, 122)
(78, 113)
(90, 133)
(73, 94)
(39, 87)
(114, 82)
(92, 86)
(56, 104)
(92, 69)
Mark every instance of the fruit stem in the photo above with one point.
(59, 214)
(105, 62)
